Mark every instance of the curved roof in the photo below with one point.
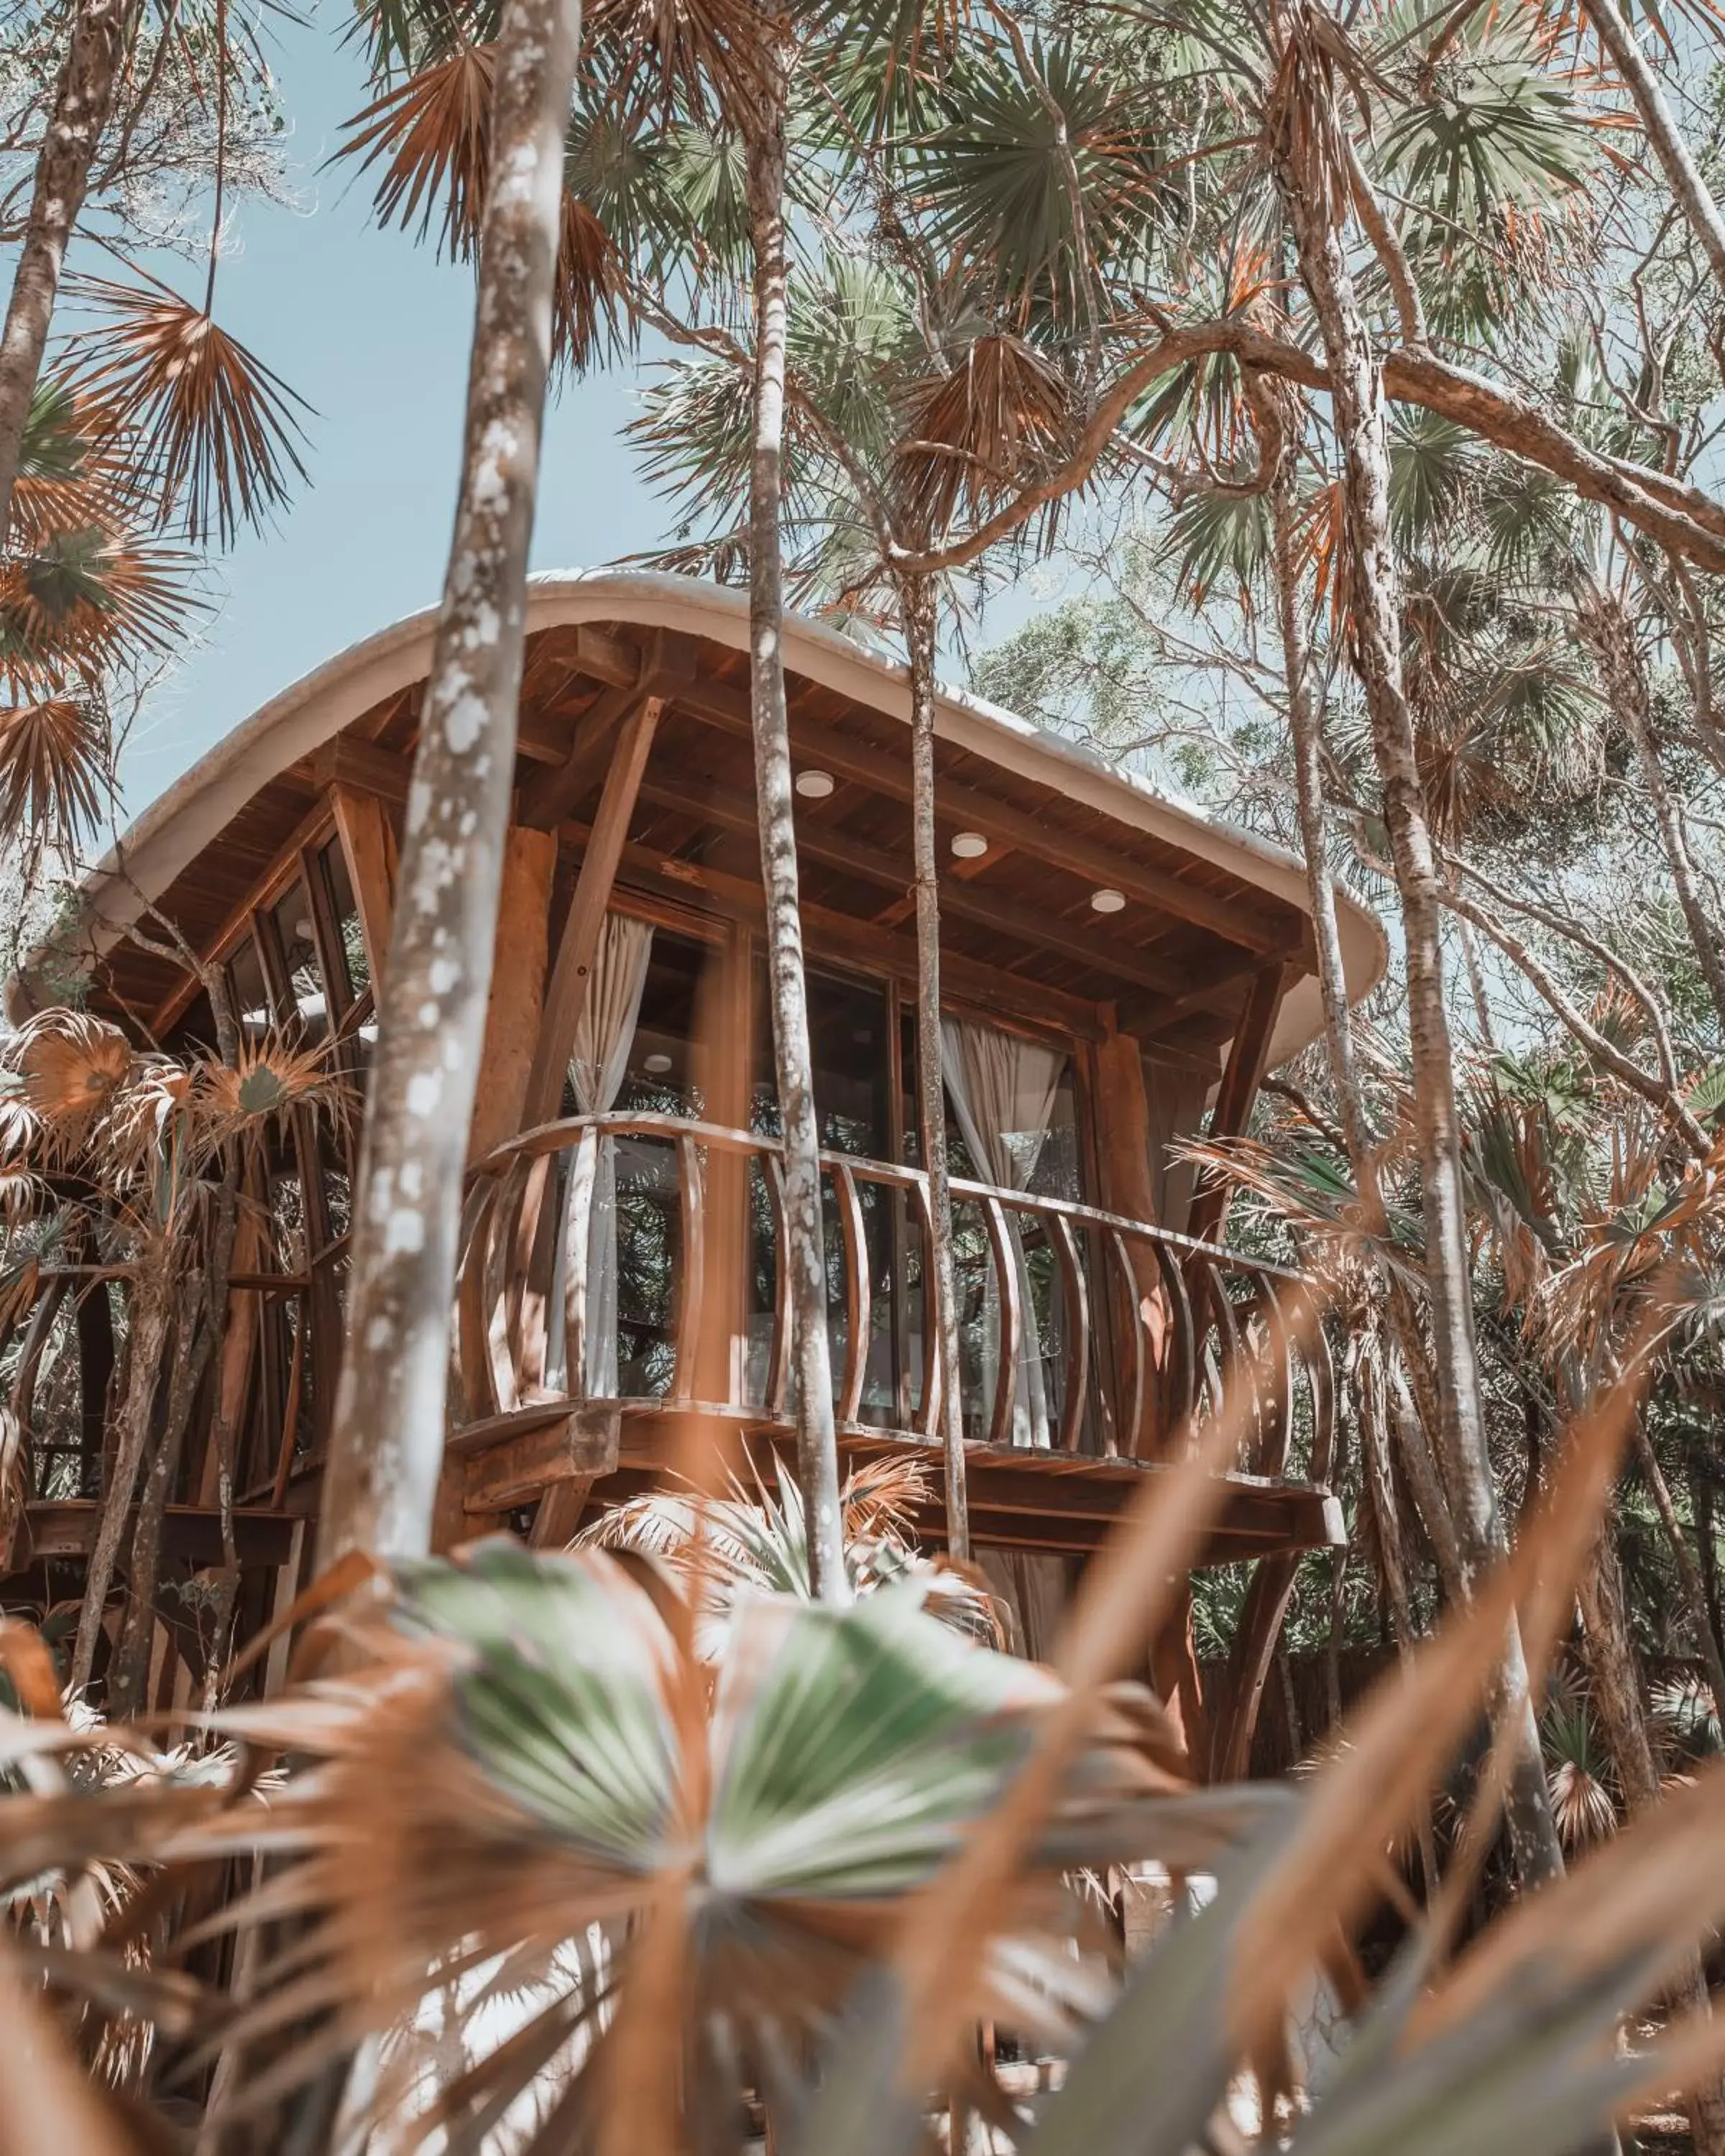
(171, 832)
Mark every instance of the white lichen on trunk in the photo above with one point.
(387, 1442)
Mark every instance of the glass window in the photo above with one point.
(308, 1007)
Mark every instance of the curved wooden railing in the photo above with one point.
(1158, 1328)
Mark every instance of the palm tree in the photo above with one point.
(386, 1444)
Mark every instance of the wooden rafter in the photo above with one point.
(566, 997)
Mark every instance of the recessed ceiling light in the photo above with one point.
(815, 785)
(969, 845)
(1107, 901)
(302, 929)
(659, 1065)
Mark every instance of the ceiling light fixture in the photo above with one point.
(1107, 901)
(969, 845)
(658, 1065)
(815, 785)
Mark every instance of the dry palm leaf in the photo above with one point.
(73, 1066)
(15, 1484)
(697, 56)
(434, 131)
(54, 769)
(969, 436)
(586, 304)
(269, 1078)
(214, 429)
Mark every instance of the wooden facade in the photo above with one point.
(1094, 1283)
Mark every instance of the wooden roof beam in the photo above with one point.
(1232, 919)
(872, 864)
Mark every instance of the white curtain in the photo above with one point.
(597, 1071)
(1003, 1090)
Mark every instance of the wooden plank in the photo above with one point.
(368, 848)
(589, 746)
(567, 997)
(871, 863)
(1243, 921)
(1240, 1080)
(582, 1442)
(1006, 998)
(517, 998)
(65, 1526)
(362, 767)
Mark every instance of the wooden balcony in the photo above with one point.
(1145, 1334)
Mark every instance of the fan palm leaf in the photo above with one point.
(432, 134)
(55, 770)
(213, 431)
(525, 1753)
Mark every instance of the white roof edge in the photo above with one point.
(176, 827)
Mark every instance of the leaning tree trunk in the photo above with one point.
(1314, 198)
(83, 99)
(387, 1442)
(1664, 136)
(155, 1286)
(1606, 628)
(803, 1254)
(1615, 1685)
(917, 595)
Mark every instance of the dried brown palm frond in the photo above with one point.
(705, 58)
(138, 1132)
(970, 437)
(55, 768)
(1577, 1777)
(73, 1066)
(432, 133)
(15, 1480)
(268, 1077)
(214, 430)
(84, 600)
(586, 316)
(1317, 1200)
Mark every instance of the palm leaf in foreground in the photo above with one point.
(529, 1753)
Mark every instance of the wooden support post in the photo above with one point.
(567, 997)
(1179, 1682)
(1129, 1187)
(512, 1022)
(368, 847)
(517, 1002)
(1248, 1058)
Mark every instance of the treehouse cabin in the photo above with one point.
(1116, 967)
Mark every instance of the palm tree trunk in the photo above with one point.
(1664, 137)
(916, 596)
(83, 99)
(154, 1287)
(1700, 1617)
(1607, 629)
(1356, 402)
(1616, 1688)
(385, 1446)
(1307, 732)
(803, 1255)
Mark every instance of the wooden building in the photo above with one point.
(1113, 964)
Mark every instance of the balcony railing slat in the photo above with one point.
(1077, 1302)
(691, 1194)
(1189, 1342)
(858, 1314)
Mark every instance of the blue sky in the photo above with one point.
(374, 333)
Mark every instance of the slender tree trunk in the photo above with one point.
(804, 1252)
(1312, 199)
(1607, 629)
(385, 1446)
(1664, 136)
(1701, 1497)
(918, 598)
(83, 99)
(154, 1288)
(1700, 1618)
(1616, 1688)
